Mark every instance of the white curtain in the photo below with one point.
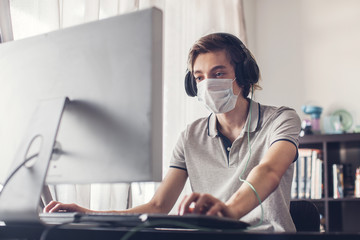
(6, 33)
(184, 22)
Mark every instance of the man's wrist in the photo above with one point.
(235, 210)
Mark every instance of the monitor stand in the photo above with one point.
(20, 197)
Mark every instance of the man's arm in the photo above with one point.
(162, 202)
(265, 178)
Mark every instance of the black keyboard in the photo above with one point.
(189, 221)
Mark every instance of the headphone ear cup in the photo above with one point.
(190, 85)
(239, 74)
(251, 70)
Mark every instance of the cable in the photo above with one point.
(17, 169)
(159, 224)
(55, 150)
(132, 231)
(21, 164)
(247, 162)
(47, 230)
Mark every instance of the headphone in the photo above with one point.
(246, 72)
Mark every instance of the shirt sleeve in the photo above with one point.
(286, 126)
(178, 156)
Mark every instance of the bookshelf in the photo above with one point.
(340, 214)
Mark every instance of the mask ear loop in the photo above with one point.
(249, 156)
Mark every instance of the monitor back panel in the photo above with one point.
(112, 72)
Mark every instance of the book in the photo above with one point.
(357, 183)
(316, 180)
(302, 177)
(338, 181)
(308, 168)
(307, 180)
(319, 179)
(303, 173)
(348, 180)
(294, 185)
(314, 158)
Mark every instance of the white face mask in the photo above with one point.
(217, 94)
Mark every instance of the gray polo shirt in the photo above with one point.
(200, 151)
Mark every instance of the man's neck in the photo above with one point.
(231, 123)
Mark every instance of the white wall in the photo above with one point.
(308, 52)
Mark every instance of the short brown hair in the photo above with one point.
(246, 69)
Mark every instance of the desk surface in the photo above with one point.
(70, 232)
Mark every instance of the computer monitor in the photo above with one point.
(111, 71)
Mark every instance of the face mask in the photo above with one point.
(217, 94)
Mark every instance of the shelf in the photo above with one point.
(345, 199)
(339, 214)
(313, 139)
(309, 199)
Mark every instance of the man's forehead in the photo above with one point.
(211, 60)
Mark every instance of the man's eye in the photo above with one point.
(219, 74)
(198, 78)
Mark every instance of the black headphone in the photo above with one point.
(246, 72)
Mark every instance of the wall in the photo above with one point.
(308, 52)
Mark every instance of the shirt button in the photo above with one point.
(228, 149)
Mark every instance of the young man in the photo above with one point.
(239, 156)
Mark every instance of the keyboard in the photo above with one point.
(189, 221)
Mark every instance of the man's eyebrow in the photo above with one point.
(218, 67)
(197, 72)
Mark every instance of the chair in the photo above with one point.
(305, 215)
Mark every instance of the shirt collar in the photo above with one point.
(255, 120)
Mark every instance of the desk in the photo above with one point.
(70, 232)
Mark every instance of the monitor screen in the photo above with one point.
(111, 70)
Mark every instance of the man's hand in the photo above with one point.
(205, 204)
(55, 206)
